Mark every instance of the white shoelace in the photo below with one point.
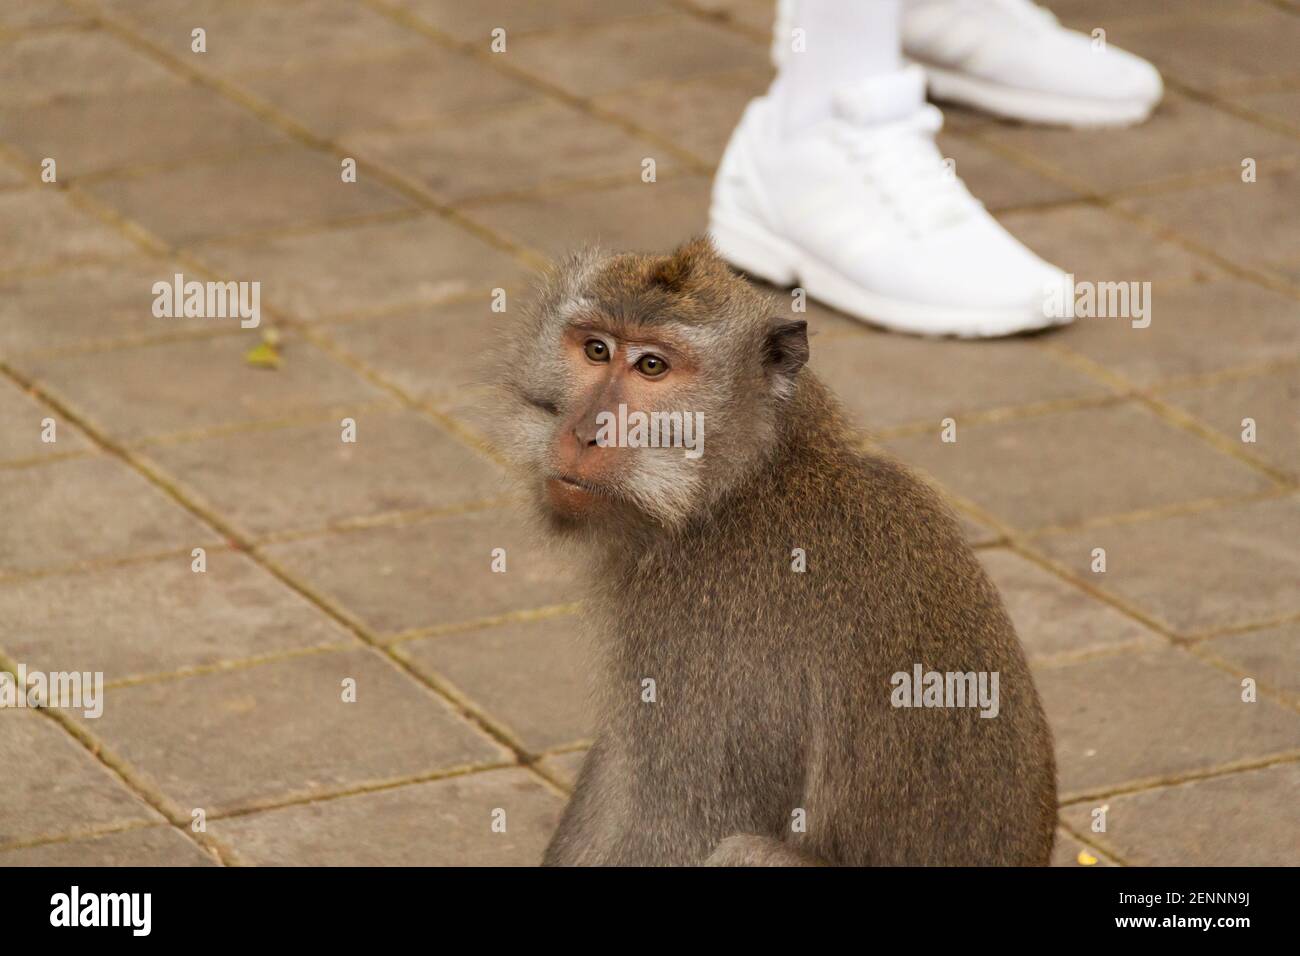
(902, 162)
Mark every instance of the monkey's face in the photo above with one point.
(638, 400)
(628, 427)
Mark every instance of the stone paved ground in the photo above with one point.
(370, 561)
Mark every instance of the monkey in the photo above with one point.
(749, 705)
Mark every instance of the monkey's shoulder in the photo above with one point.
(869, 498)
(864, 527)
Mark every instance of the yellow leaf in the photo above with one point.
(263, 355)
(1086, 858)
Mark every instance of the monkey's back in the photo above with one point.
(938, 785)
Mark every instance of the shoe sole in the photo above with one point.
(1029, 106)
(754, 249)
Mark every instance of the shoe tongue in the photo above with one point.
(881, 99)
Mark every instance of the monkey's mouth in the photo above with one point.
(574, 497)
(569, 481)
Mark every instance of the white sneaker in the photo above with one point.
(1013, 59)
(862, 211)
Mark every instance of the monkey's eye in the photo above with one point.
(596, 350)
(651, 366)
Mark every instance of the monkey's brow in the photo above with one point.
(666, 336)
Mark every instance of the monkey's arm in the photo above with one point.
(588, 834)
(747, 850)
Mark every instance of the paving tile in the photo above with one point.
(1292, 271)
(158, 124)
(432, 573)
(174, 387)
(21, 417)
(410, 87)
(1099, 246)
(12, 178)
(1067, 467)
(16, 176)
(321, 274)
(40, 227)
(294, 186)
(758, 16)
(440, 823)
(36, 14)
(52, 785)
(248, 35)
(41, 67)
(1241, 819)
(1213, 53)
(1281, 106)
(513, 151)
(475, 21)
(1066, 852)
(531, 676)
(144, 846)
(646, 217)
(1085, 14)
(81, 307)
(433, 352)
(1199, 572)
(96, 621)
(304, 476)
(997, 182)
(957, 117)
(1270, 399)
(1182, 137)
(976, 531)
(1195, 329)
(282, 730)
(69, 512)
(1053, 616)
(1147, 716)
(566, 766)
(475, 412)
(886, 380)
(697, 115)
(1253, 224)
(1269, 655)
(605, 59)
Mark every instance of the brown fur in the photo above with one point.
(774, 686)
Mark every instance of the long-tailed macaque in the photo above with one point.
(798, 660)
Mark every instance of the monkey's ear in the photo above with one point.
(786, 349)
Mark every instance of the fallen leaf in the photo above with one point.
(263, 355)
(1086, 859)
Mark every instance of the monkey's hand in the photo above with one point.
(746, 850)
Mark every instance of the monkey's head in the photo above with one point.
(643, 388)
